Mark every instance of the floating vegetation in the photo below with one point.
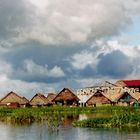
(122, 119)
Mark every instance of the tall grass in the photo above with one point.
(123, 117)
(52, 114)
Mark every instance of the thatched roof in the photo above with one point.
(124, 97)
(39, 99)
(113, 94)
(12, 97)
(66, 94)
(50, 97)
(98, 97)
(84, 94)
(117, 93)
(135, 95)
(25, 99)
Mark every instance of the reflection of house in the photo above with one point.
(67, 120)
(66, 97)
(50, 97)
(13, 100)
(39, 100)
(129, 83)
(98, 99)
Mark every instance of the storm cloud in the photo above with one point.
(61, 22)
(115, 64)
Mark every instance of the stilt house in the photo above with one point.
(39, 99)
(66, 97)
(50, 98)
(98, 99)
(13, 100)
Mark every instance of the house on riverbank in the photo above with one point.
(98, 99)
(66, 97)
(50, 98)
(118, 96)
(97, 95)
(13, 100)
(122, 93)
(39, 99)
(129, 99)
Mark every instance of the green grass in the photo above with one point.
(56, 114)
(122, 117)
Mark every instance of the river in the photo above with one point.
(65, 131)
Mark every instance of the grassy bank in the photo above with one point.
(120, 118)
(56, 114)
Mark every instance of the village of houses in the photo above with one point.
(121, 93)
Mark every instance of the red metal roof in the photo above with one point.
(132, 82)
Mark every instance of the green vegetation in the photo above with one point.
(121, 117)
(54, 116)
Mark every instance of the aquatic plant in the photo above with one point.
(122, 119)
(29, 115)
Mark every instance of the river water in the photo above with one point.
(65, 131)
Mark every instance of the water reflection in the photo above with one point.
(45, 130)
(94, 115)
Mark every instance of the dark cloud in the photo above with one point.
(87, 72)
(40, 54)
(115, 64)
(15, 14)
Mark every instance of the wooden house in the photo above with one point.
(98, 99)
(13, 100)
(39, 100)
(50, 98)
(122, 96)
(25, 99)
(66, 97)
(135, 95)
(127, 99)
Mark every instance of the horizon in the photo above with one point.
(75, 91)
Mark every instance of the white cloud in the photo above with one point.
(83, 59)
(56, 71)
(62, 22)
(92, 57)
(31, 68)
(9, 83)
(127, 49)
(23, 88)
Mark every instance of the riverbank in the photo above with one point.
(123, 117)
(118, 115)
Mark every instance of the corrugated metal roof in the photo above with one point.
(132, 82)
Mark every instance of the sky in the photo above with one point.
(46, 45)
